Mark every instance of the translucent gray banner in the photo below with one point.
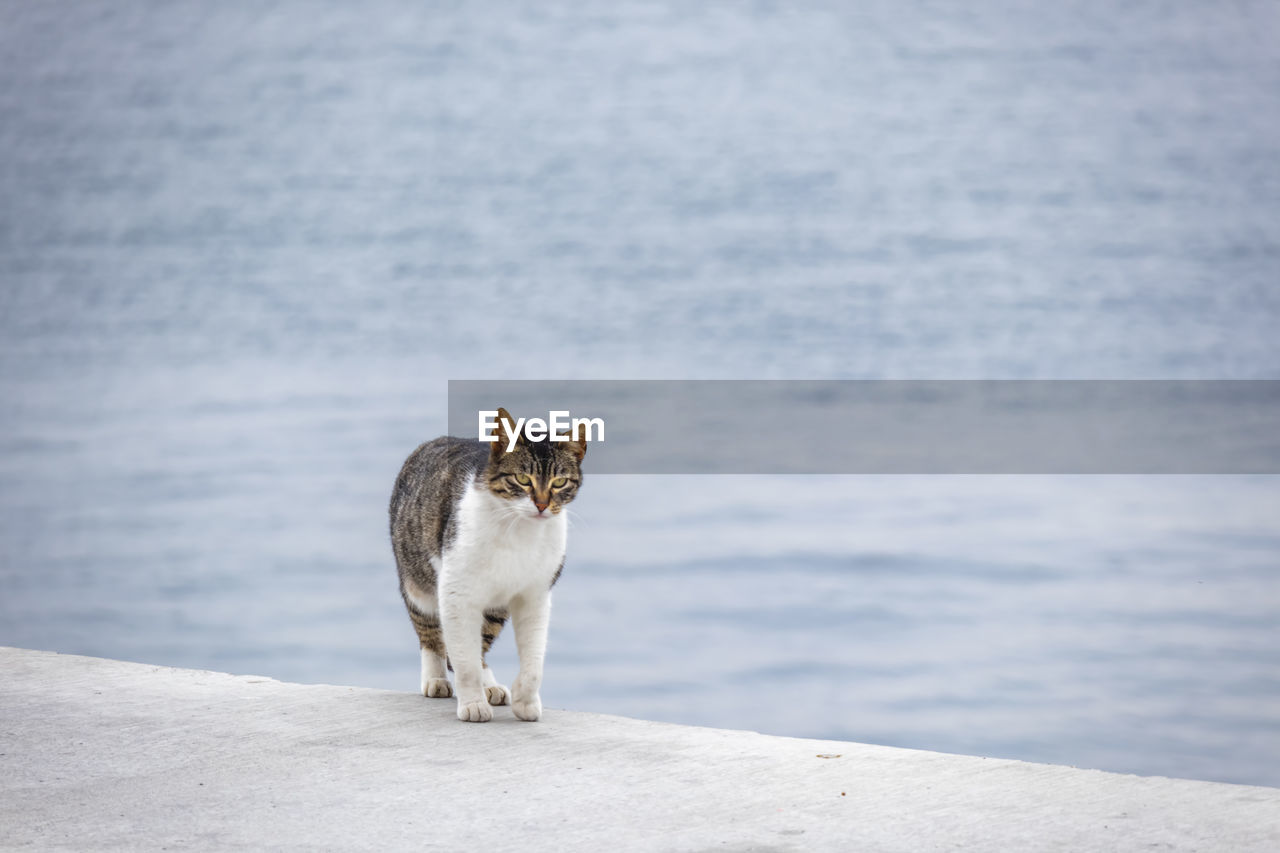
(901, 427)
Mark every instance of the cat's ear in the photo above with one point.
(577, 444)
(505, 429)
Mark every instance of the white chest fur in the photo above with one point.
(503, 549)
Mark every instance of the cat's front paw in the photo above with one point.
(527, 708)
(437, 688)
(497, 694)
(478, 711)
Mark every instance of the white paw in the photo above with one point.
(497, 694)
(527, 708)
(479, 711)
(437, 688)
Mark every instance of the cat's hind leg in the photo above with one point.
(493, 622)
(435, 680)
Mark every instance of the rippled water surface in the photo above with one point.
(242, 249)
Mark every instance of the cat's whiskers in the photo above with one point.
(573, 517)
(513, 517)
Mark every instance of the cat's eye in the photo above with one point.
(559, 482)
(523, 479)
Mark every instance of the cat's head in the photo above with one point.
(538, 477)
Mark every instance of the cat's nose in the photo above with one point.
(540, 505)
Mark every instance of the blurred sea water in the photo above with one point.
(243, 247)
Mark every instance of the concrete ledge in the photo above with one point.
(101, 754)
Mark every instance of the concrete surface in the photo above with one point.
(99, 754)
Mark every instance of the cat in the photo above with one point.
(479, 534)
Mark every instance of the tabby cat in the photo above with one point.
(479, 535)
